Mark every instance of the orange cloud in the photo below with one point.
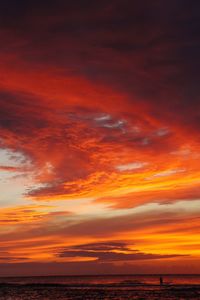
(99, 109)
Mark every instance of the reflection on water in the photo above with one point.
(102, 279)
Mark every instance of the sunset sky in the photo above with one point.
(99, 137)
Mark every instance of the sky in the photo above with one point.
(99, 137)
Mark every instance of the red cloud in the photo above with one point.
(99, 101)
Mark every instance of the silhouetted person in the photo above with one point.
(161, 281)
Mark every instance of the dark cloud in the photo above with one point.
(19, 107)
(148, 50)
(101, 246)
(108, 252)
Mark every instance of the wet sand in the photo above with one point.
(93, 292)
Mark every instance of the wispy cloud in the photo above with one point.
(131, 166)
(167, 173)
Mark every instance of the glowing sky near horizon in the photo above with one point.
(99, 137)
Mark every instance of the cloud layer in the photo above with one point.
(99, 131)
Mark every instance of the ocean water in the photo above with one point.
(117, 287)
(103, 279)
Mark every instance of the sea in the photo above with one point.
(115, 287)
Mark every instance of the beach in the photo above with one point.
(65, 293)
(83, 289)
